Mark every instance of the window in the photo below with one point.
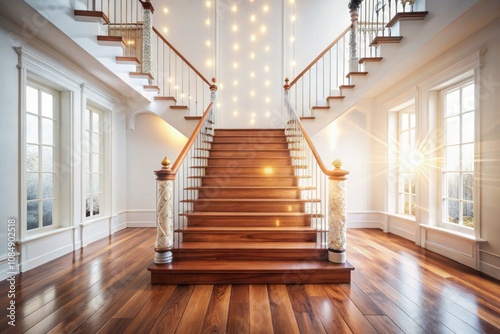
(407, 162)
(458, 156)
(41, 119)
(94, 162)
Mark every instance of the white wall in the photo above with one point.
(150, 141)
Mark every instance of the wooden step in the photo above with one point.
(127, 60)
(248, 234)
(251, 139)
(273, 180)
(250, 272)
(250, 153)
(111, 41)
(405, 16)
(249, 170)
(239, 145)
(249, 192)
(250, 205)
(248, 219)
(245, 161)
(91, 16)
(249, 132)
(386, 40)
(370, 60)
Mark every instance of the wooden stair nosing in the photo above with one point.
(255, 200)
(307, 118)
(336, 97)
(403, 16)
(385, 40)
(320, 108)
(370, 60)
(179, 107)
(192, 118)
(151, 88)
(142, 75)
(165, 98)
(356, 74)
(127, 60)
(89, 15)
(111, 40)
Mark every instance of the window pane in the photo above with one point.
(96, 119)
(47, 212)
(47, 185)
(452, 158)
(412, 182)
(468, 157)
(47, 159)
(32, 158)
(31, 129)
(468, 98)
(47, 131)
(96, 140)
(406, 182)
(47, 105)
(96, 205)
(412, 198)
(95, 183)
(32, 100)
(453, 211)
(468, 127)
(88, 206)
(31, 186)
(87, 119)
(452, 130)
(453, 184)
(404, 122)
(32, 215)
(468, 214)
(95, 160)
(452, 100)
(468, 186)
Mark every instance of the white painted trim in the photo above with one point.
(44, 235)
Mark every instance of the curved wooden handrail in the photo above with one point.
(180, 56)
(319, 56)
(187, 147)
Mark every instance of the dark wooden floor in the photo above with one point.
(396, 288)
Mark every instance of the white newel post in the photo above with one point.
(164, 213)
(353, 45)
(337, 214)
(147, 37)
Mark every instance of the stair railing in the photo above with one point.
(177, 185)
(323, 189)
(177, 79)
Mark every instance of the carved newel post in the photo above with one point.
(147, 37)
(337, 214)
(164, 213)
(353, 45)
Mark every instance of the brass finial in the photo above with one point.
(286, 86)
(337, 163)
(165, 163)
(213, 86)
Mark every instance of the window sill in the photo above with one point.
(46, 234)
(94, 220)
(402, 216)
(459, 235)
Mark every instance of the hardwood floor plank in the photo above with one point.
(383, 324)
(192, 321)
(218, 308)
(284, 320)
(260, 310)
(329, 315)
(306, 316)
(360, 299)
(171, 314)
(238, 320)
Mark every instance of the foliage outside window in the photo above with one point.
(93, 160)
(407, 164)
(41, 150)
(458, 156)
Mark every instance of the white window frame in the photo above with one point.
(406, 158)
(443, 208)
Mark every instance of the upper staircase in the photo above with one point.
(249, 223)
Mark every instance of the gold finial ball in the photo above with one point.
(337, 163)
(165, 163)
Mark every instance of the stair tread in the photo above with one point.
(248, 214)
(248, 265)
(259, 245)
(248, 228)
(225, 200)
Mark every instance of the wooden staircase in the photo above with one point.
(248, 224)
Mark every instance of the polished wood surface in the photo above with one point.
(397, 287)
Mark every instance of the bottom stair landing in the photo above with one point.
(250, 272)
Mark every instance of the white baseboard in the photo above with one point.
(141, 218)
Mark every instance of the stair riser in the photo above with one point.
(248, 207)
(248, 133)
(224, 171)
(248, 221)
(249, 181)
(253, 254)
(249, 193)
(248, 146)
(257, 140)
(256, 162)
(250, 154)
(248, 237)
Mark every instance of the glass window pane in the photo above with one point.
(468, 214)
(468, 157)
(452, 100)
(47, 159)
(95, 183)
(468, 98)
(452, 130)
(31, 129)
(96, 205)
(96, 119)
(96, 141)
(96, 163)
(87, 119)
(404, 121)
(468, 127)
(31, 186)
(47, 185)
(412, 198)
(47, 131)
(32, 100)
(32, 158)
(406, 182)
(413, 120)
(32, 215)
(452, 158)
(407, 205)
(453, 185)
(47, 212)
(88, 206)
(47, 105)
(468, 186)
(453, 211)
(412, 182)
